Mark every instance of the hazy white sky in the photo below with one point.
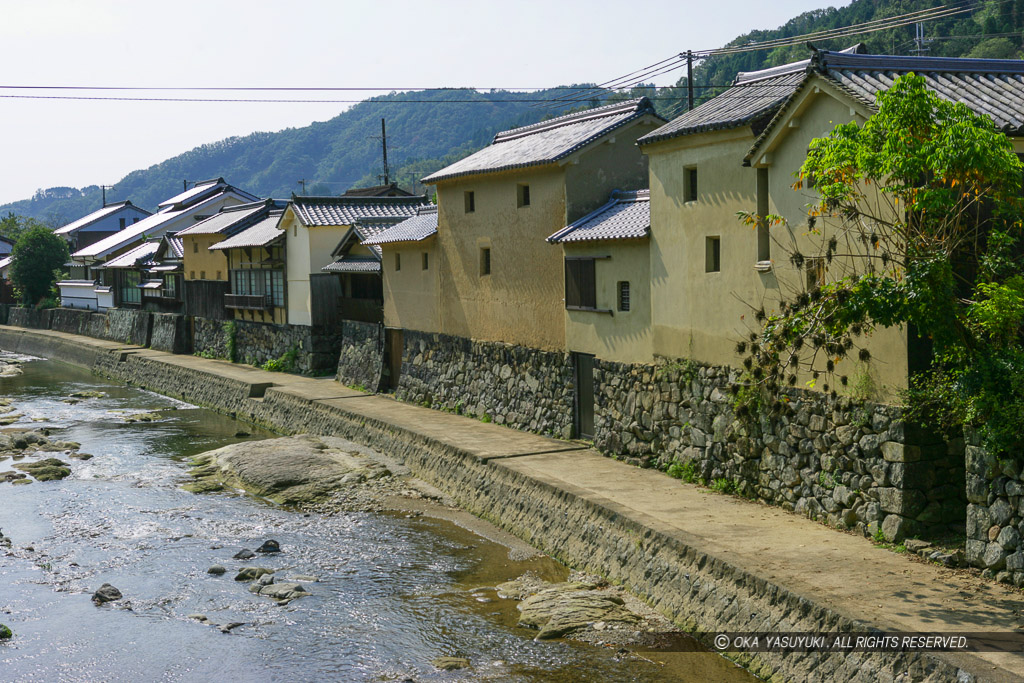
(395, 44)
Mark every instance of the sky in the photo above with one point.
(313, 43)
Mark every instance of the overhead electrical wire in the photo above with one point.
(572, 95)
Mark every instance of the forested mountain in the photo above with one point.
(423, 137)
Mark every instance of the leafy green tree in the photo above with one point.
(917, 217)
(13, 226)
(39, 257)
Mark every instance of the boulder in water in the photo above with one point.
(216, 570)
(106, 593)
(244, 554)
(252, 573)
(269, 546)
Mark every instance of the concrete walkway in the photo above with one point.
(841, 571)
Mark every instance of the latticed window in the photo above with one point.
(130, 292)
(623, 296)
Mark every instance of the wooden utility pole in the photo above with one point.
(689, 80)
(384, 145)
(105, 188)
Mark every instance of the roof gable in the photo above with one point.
(992, 87)
(99, 214)
(548, 141)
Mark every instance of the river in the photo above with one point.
(394, 591)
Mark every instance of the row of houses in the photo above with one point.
(217, 251)
(606, 234)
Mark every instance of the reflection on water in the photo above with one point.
(394, 593)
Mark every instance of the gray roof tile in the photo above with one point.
(547, 141)
(259, 235)
(415, 229)
(133, 257)
(91, 218)
(627, 215)
(221, 222)
(353, 264)
(314, 211)
(993, 87)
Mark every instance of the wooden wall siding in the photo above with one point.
(205, 298)
(324, 290)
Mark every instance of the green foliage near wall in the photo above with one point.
(921, 207)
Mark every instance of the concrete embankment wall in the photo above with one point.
(698, 590)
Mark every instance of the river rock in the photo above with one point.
(199, 617)
(87, 394)
(227, 628)
(244, 554)
(152, 416)
(252, 573)
(269, 546)
(47, 469)
(560, 610)
(451, 663)
(216, 570)
(291, 471)
(106, 593)
(5, 632)
(283, 592)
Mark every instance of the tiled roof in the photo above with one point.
(419, 227)
(133, 257)
(626, 216)
(389, 190)
(353, 264)
(91, 218)
(993, 87)
(752, 100)
(259, 235)
(314, 211)
(154, 225)
(548, 141)
(201, 190)
(225, 219)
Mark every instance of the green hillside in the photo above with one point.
(344, 152)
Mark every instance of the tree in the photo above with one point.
(917, 218)
(13, 226)
(38, 259)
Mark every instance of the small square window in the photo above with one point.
(122, 223)
(218, 274)
(425, 262)
(202, 275)
(195, 247)
(398, 261)
(522, 195)
(192, 275)
(485, 261)
(690, 184)
(470, 199)
(712, 254)
(624, 296)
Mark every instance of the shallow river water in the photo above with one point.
(393, 592)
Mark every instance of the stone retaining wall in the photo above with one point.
(30, 317)
(361, 358)
(701, 592)
(512, 385)
(852, 465)
(316, 348)
(171, 332)
(995, 513)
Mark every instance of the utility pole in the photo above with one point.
(919, 39)
(105, 188)
(302, 182)
(384, 146)
(689, 80)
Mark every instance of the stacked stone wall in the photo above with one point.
(851, 464)
(171, 332)
(361, 358)
(30, 317)
(316, 348)
(995, 513)
(512, 385)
